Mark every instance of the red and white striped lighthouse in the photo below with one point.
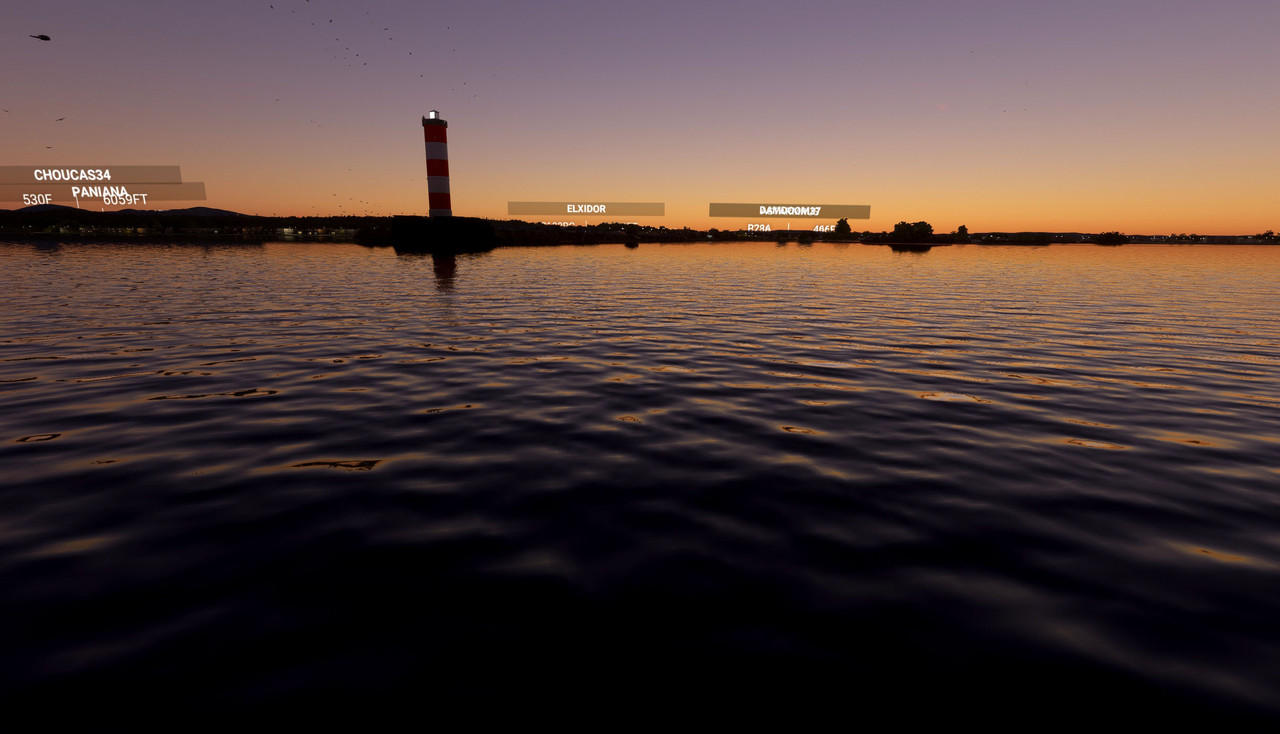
(434, 130)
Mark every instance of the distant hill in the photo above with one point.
(46, 208)
(195, 211)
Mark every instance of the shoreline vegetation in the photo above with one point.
(461, 234)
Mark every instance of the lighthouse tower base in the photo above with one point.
(442, 234)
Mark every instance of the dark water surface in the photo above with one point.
(977, 480)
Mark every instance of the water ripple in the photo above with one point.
(282, 468)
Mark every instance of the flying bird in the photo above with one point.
(60, 119)
(42, 37)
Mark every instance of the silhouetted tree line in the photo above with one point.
(65, 220)
(915, 233)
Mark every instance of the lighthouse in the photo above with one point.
(434, 130)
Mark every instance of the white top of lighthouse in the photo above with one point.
(433, 115)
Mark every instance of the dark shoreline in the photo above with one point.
(463, 234)
(202, 239)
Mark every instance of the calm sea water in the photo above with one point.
(976, 480)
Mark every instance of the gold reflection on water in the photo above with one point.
(1044, 380)
(1091, 444)
(948, 374)
(952, 397)
(1222, 556)
(532, 360)
(71, 547)
(1187, 438)
(1138, 383)
(1268, 400)
(1089, 423)
(111, 377)
(827, 386)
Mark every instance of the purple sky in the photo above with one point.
(1133, 115)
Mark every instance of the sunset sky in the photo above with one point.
(1145, 116)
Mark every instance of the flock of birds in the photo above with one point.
(358, 58)
(40, 37)
(353, 59)
(44, 37)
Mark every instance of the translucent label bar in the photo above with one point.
(592, 208)
(90, 174)
(812, 211)
(105, 192)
